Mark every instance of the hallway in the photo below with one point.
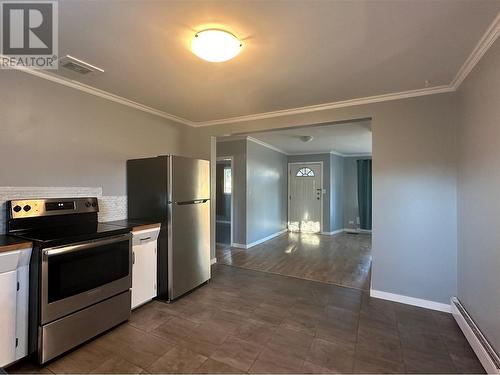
(342, 259)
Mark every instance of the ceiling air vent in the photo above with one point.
(78, 66)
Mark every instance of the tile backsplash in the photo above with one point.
(111, 207)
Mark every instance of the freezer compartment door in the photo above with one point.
(190, 179)
(189, 247)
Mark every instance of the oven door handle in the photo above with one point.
(52, 251)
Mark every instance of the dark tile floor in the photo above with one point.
(257, 322)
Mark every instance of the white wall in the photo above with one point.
(478, 195)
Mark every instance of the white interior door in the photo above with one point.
(306, 196)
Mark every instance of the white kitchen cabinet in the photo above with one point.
(144, 266)
(14, 284)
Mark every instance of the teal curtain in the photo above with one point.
(365, 193)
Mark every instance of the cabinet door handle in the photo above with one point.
(133, 257)
(145, 239)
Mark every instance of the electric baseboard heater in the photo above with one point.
(484, 351)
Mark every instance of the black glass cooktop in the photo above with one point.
(64, 234)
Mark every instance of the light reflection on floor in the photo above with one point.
(342, 259)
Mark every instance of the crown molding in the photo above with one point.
(363, 155)
(478, 52)
(231, 138)
(252, 139)
(102, 94)
(332, 105)
(337, 153)
(259, 142)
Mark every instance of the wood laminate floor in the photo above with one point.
(342, 259)
(257, 322)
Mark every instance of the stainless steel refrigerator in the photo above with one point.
(174, 191)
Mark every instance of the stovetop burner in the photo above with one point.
(58, 221)
(71, 233)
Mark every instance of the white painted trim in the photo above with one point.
(312, 153)
(438, 306)
(259, 142)
(258, 242)
(358, 230)
(231, 163)
(330, 152)
(213, 261)
(356, 155)
(337, 153)
(334, 232)
(238, 245)
(251, 139)
(228, 138)
(486, 41)
(475, 339)
(482, 46)
(333, 105)
(288, 191)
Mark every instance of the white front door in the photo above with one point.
(306, 195)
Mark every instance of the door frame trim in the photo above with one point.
(322, 187)
(231, 162)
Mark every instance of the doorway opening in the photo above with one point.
(224, 201)
(303, 202)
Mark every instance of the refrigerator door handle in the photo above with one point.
(196, 201)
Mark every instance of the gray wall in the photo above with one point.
(266, 192)
(52, 135)
(414, 187)
(238, 150)
(350, 197)
(478, 195)
(325, 158)
(336, 193)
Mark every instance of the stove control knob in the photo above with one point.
(87, 204)
(27, 208)
(94, 204)
(17, 208)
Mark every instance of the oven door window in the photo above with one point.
(80, 271)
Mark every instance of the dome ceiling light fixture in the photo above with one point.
(306, 138)
(215, 45)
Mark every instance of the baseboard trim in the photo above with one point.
(213, 261)
(239, 245)
(484, 351)
(438, 306)
(332, 233)
(258, 242)
(354, 230)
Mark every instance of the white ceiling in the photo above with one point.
(347, 139)
(296, 53)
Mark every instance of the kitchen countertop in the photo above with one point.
(134, 224)
(9, 243)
